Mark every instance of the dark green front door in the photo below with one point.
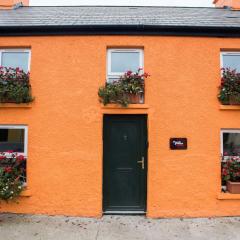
(125, 163)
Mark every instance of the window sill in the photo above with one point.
(15, 105)
(130, 106)
(229, 107)
(228, 196)
(26, 193)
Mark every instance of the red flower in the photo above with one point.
(2, 157)
(146, 75)
(224, 172)
(20, 158)
(8, 169)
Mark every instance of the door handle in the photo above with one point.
(142, 162)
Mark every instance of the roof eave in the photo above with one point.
(120, 30)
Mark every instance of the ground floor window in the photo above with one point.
(13, 148)
(230, 152)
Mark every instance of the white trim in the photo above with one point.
(123, 50)
(16, 50)
(230, 130)
(227, 54)
(25, 135)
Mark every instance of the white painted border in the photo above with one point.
(16, 50)
(227, 54)
(123, 50)
(230, 130)
(25, 135)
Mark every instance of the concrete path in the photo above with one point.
(26, 227)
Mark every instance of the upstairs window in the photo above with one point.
(15, 58)
(13, 138)
(120, 61)
(231, 60)
(230, 141)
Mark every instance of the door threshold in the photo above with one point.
(124, 213)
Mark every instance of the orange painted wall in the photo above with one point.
(229, 3)
(65, 124)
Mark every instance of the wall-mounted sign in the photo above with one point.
(178, 143)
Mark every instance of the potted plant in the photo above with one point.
(14, 86)
(229, 90)
(231, 174)
(12, 175)
(129, 88)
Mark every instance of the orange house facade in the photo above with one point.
(71, 140)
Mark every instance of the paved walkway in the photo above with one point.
(26, 227)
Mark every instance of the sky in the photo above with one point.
(187, 3)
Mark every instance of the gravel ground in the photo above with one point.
(28, 227)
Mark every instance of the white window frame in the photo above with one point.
(16, 50)
(25, 135)
(113, 75)
(226, 131)
(227, 54)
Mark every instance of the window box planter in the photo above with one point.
(135, 98)
(234, 99)
(233, 187)
(15, 87)
(128, 89)
(231, 173)
(229, 90)
(12, 175)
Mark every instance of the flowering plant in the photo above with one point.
(231, 169)
(229, 90)
(14, 86)
(118, 91)
(12, 175)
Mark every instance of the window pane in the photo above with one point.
(231, 144)
(12, 139)
(231, 61)
(15, 59)
(124, 61)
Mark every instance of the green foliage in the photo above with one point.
(113, 93)
(12, 175)
(14, 86)
(229, 90)
(118, 91)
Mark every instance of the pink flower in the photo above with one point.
(10, 151)
(129, 73)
